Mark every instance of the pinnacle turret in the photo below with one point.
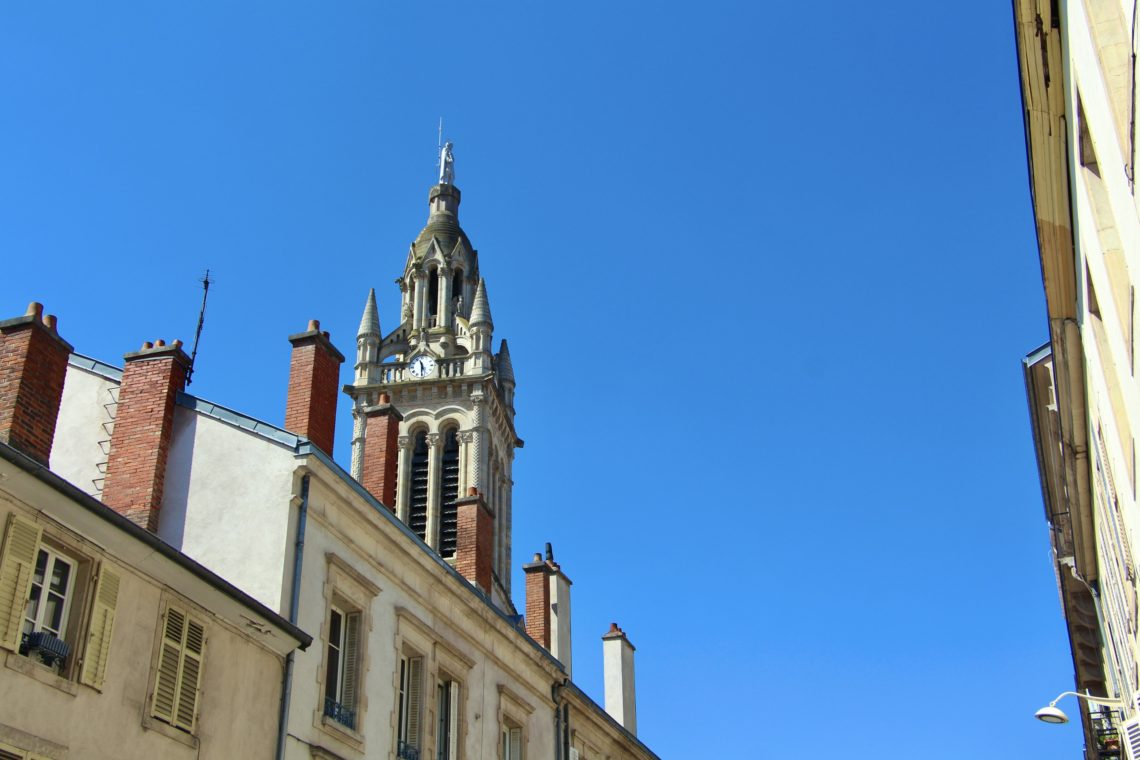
(480, 309)
(370, 322)
(503, 362)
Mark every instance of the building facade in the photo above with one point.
(1078, 81)
(111, 642)
(399, 570)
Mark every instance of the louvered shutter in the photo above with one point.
(99, 631)
(179, 670)
(516, 744)
(415, 689)
(1131, 732)
(351, 660)
(17, 564)
(169, 660)
(453, 721)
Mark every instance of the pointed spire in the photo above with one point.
(506, 371)
(370, 322)
(480, 310)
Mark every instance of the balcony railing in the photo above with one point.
(405, 751)
(397, 372)
(340, 713)
(1106, 734)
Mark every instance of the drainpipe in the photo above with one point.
(294, 600)
(561, 751)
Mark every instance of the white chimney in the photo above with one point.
(617, 659)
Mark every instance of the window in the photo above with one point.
(417, 512)
(449, 493)
(511, 742)
(447, 713)
(341, 667)
(408, 716)
(41, 608)
(175, 699)
(8, 752)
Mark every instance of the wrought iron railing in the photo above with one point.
(405, 751)
(341, 714)
(1106, 734)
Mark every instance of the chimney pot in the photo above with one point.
(159, 343)
(385, 398)
(50, 322)
(35, 309)
(147, 345)
(314, 325)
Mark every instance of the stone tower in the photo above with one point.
(454, 429)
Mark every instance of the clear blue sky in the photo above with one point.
(767, 271)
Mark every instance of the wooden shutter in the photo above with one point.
(351, 662)
(17, 565)
(453, 721)
(190, 675)
(179, 670)
(415, 691)
(99, 631)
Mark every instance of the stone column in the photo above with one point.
(357, 467)
(478, 444)
(466, 437)
(420, 306)
(403, 480)
(435, 454)
(444, 297)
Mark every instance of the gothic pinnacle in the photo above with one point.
(480, 310)
(370, 322)
(506, 371)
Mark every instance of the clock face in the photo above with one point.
(421, 366)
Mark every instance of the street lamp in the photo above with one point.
(1053, 714)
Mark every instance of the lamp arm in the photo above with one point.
(1089, 697)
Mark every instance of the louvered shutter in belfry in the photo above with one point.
(101, 627)
(17, 564)
(169, 661)
(415, 689)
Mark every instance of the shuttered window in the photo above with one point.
(179, 670)
(17, 569)
(408, 723)
(447, 711)
(99, 632)
(342, 667)
(512, 743)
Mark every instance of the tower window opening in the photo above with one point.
(449, 494)
(433, 293)
(457, 288)
(417, 509)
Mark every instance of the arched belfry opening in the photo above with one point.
(418, 501)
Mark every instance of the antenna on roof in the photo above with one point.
(201, 321)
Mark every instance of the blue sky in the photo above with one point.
(767, 272)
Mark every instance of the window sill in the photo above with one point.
(39, 672)
(341, 731)
(169, 731)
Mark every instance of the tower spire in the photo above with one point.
(480, 309)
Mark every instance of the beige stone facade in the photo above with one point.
(1078, 84)
(118, 647)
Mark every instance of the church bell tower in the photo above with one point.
(454, 395)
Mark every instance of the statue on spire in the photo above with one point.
(446, 165)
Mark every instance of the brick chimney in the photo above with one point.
(33, 364)
(548, 606)
(475, 539)
(617, 664)
(381, 434)
(144, 424)
(314, 383)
